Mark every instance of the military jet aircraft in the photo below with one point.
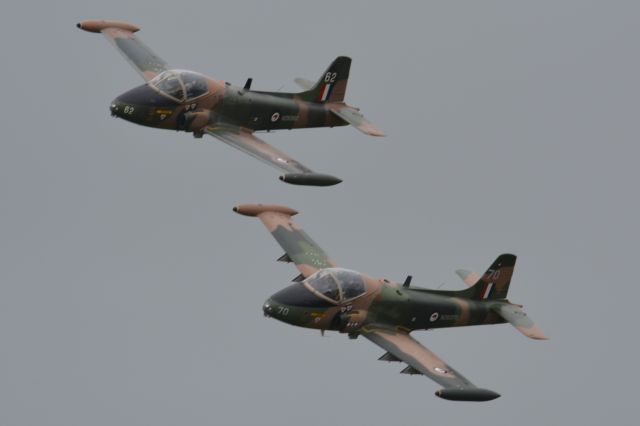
(327, 297)
(188, 101)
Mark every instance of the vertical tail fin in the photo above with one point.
(332, 84)
(494, 284)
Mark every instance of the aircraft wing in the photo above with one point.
(353, 116)
(298, 246)
(247, 142)
(121, 35)
(400, 346)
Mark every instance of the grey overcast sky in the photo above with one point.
(130, 293)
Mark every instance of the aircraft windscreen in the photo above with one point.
(194, 84)
(351, 283)
(329, 282)
(324, 284)
(169, 84)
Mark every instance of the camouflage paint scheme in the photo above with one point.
(383, 311)
(191, 102)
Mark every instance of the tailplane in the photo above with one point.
(515, 316)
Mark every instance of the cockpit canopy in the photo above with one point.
(324, 289)
(180, 85)
(336, 284)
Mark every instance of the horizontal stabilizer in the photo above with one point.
(469, 277)
(388, 356)
(355, 118)
(304, 83)
(519, 319)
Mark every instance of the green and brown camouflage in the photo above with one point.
(187, 101)
(327, 297)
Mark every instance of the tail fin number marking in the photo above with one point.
(330, 77)
(492, 277)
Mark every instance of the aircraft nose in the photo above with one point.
(115, 107)
(134, 105)
(267, 308)
(123, 109)
(275, 310)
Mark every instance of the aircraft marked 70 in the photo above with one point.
(327, 297)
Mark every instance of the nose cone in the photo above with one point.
(115, 107)
(267, 308)
(143, 105)
(134, 112)
(285, 313)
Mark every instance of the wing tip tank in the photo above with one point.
(310, 179)
(99, 25)
(471, 394)
(256, 209)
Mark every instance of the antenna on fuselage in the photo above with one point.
(407, 281)
(247, 85)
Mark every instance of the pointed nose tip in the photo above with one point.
(267, 308)
(115, 107)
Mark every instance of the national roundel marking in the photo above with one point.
(434, 317)
(275, 117)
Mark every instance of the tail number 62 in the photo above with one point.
(330, 77)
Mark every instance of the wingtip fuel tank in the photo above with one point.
(471, 394)
(310, 179)
(99, 25)
(256, 209)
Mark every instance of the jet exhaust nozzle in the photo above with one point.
(311, 179)
(473, 394)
